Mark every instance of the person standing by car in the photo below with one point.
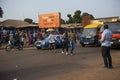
(51, 38)
(105, 44)
(65, 40)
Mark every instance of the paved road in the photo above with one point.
(33, 64)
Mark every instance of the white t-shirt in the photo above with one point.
(51, 38)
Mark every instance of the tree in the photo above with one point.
(62, 21)
(87, 14)
(28, 20)
(77, 16)
(70, 20)
(1, 12)
(92, 17)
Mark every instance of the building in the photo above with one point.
(105, 19)
(12, 24)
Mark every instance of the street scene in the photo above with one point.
(33, 64)
(59, 40)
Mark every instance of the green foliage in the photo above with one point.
(87, 14)
(70, 20)
(28, 20)
(77, 16)
(62, 21)
(92, 17)
(1, 12)
(68, 15)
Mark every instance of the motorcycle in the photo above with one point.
(12, 45)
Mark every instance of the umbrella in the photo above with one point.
(49, 30)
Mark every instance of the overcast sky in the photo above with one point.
(20, 9)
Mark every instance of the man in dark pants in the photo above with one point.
(106, 43)
(106, 57)
(65, 42)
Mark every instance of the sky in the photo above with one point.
(21, 9)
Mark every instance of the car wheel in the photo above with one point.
(38, 48)
(83, 45)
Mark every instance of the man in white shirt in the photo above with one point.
(51, 38)
(105, 44)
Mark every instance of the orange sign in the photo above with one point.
(49, 20)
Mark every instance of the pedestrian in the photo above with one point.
(34, 37)
(11, 38)
(106, 44)
(39, 36)
(51, 38)
(17, 39)
(65, 40)
(30, 38)
(4, 36)
(0, 38)
(72, 38)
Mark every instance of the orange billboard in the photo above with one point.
(51, 20)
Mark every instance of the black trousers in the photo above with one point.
(65, 45)
(106, 56)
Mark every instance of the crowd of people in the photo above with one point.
(69, 38)
(68, 41)
(29, 38)
(26, 38)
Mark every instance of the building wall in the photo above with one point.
(102, 20)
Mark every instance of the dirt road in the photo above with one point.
(33, 64)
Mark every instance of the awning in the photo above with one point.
(92, 26)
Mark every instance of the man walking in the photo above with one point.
(65, 42)
(105, 44)
(72, 37)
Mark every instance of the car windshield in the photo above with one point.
(90, 31)
(114, 27)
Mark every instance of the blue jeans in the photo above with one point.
(72, 44)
